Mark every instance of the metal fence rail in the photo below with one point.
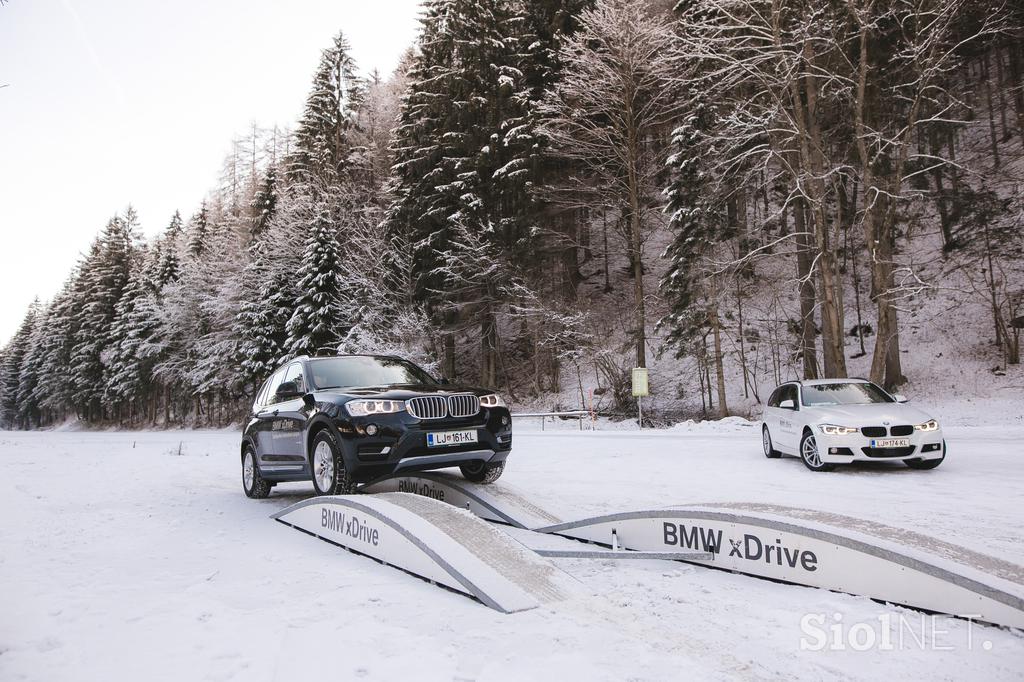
(579, 415)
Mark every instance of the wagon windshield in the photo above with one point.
(844, 394)
(365, 370)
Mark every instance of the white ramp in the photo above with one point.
(434, 541)
(825, 550)
(495, 502)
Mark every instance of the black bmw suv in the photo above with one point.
(345, 420)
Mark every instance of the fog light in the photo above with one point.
(833, 451)
(371, 429)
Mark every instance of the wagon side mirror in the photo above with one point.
(787, 404)
(900, 398)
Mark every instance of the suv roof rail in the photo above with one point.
(297, 357)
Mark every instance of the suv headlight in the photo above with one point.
(930, 425)
(833, 430)
(364, 408)
(492, 400)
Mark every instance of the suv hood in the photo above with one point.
(868, 415)
(404, 391)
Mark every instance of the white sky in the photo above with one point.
(111, 102)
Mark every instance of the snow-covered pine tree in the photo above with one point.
(465, 150)
(54, 387)
(126, 379)
(10, 372)
(198, 231)
(104, 275)
(697, 221)
(319, 320)
(695, 224)
(323, 150)
(264, 203)
(268, 285)
(29, 413)
(167, 255)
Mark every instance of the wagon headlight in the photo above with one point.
(833, 430)
(492, 400)
(930, 425)
(364, 408)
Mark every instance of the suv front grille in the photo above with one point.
(873, 431)
(427, 407)
(902, 430)
(464, 405)
(439, 406)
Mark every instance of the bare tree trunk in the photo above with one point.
(992, 284)
(885, 363)
(833, 351)
(940, 191)
(449, 355)
(997, 53)
(723, 408)
(739, 329)
(488, 348)
(604, 236)
(991, 112)
(1017, 84)
(804, 262)
(856, 298)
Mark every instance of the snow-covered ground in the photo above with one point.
(136, 556)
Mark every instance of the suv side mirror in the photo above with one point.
(288, 390)
(787, 404)
(900, 398)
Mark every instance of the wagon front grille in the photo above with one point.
(902, 430)
(873, 431)
(881, 453)
(427, 407)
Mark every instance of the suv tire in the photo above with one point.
(328, 467)
(481, 472)
(252, 483)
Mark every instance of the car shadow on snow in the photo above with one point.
(862, 468)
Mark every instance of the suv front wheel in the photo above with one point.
(329, 474)
(481, 472)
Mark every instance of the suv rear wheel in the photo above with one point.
(252, 483)
(329, 474)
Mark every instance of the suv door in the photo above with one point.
(266, 415)
(291, 420)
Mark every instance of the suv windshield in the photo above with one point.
(365, 370)
(844, 394)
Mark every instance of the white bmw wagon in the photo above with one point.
(837, 421)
